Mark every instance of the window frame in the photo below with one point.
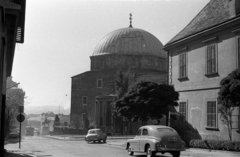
(209, 43)
(83, 120)
(215, 126)
(238, 118)
(186, 111)
(139, 130)
(143, 132)
(98, 83)
(183, 64)
(237, 46)
(84, 97)
(238, 52)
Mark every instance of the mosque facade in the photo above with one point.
(127, 49)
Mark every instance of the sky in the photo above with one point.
(61, 35)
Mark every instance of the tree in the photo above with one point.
(122, 83)
(14, 98)
(56, 121)
(229, 98)
(147, 100)
(76, 121)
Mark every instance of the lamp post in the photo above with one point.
(2, 139)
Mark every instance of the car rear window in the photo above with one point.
(165, 130)
(92, 132)
(95, 131)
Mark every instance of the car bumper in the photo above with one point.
(92, 139)
(169, 149)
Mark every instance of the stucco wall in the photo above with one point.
(196, 58)
(199, 88)
(197, 109)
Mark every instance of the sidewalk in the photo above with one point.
(81, 137)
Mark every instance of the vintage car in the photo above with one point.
(151, 139)
(96, 135)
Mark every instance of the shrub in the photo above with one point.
(215, 144)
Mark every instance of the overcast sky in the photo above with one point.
(60, 35)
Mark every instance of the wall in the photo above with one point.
(128, 61)
(85, 84)
(198, 88)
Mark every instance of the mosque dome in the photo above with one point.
(130, 41)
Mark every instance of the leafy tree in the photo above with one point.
(147, 100)
(46, 122)
(14, 98)
(56, 121)
(76, 120)
(122, 83)
(229, 98)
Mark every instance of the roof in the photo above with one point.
(156, 126)
(214, 13)
(94, 129)
(130, 40)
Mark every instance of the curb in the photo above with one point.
(213, 150)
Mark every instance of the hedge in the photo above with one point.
(215, 144)
(67, 130)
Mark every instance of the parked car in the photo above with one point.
(96, 135)
(151, 139)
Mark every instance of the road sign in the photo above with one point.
(20, 118)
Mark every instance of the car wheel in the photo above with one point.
(149, 152)
(176, 154)
(105, 139)
(130, 152)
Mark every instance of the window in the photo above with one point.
(211, 59)
(139, 132)
(83, 117)
(238, 117)
(211, 114)
(84, 100)
(99, 83)
(183, 111)
(238, 53)
(183, 65)
(145, 132)
(165, 130)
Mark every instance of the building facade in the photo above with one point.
(127, 49)
(200, 56)
(12, 21)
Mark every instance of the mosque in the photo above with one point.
(127, 49)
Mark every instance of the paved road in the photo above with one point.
(38, 146)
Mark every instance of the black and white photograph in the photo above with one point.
(119, 78)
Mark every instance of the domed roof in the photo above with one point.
(130, 40)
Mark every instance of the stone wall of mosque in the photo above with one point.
(113, 61)
(86, 85)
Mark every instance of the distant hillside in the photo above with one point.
(34, 110)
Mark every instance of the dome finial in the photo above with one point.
(130, 20)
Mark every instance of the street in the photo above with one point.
(38, 146)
